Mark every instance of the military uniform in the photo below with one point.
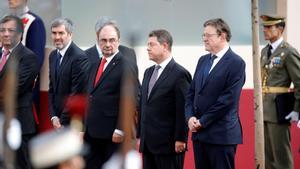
(279, 70)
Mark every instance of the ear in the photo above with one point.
(165, 45)
(223, 36)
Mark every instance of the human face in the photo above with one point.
(155, 49)
(15, 4)
(211, 39)
(9, 35)
(60, 37)
(108, 40)
(272, 33)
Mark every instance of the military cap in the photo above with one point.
(52, 148)
(269, 20)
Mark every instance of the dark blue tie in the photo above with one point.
(57, 62)
(208, 67)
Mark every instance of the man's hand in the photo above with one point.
(298, 125)
(293, 116)
(180, 146)
(117, 138)
(56, 123)
(194, 124)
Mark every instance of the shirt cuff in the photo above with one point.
(54, 117)
(120, 132)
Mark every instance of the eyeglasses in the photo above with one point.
(112, 40)
(9, 30)
(208, 35)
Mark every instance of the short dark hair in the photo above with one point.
(220, 25)
(17, 20)
(163, 36)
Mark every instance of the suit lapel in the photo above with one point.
(112, 64)
(162, 78)
(220, 65)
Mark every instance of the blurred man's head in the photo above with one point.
(17, 4)
(11, 30)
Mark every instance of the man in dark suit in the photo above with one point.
(103, 133)
(11, 29)
(68, 66)
(163, 131)
(34, 38)
(213, 100)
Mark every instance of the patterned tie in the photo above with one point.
(208, 67)
(4, 58)
(100, 70)
(153, 78)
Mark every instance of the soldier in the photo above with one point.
(281, 66)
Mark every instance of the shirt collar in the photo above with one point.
(11, 49)
(221, 53)
(64, 50)
(98, 50)
(108, 59)
(276, 43)
(165, 62)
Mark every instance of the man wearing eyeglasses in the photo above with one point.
(11, 29)
(106, 87)
(280, 67)
(212, 104)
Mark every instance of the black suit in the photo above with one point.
(162, 120)
(71, 79)
(27, 70)
(103, 112)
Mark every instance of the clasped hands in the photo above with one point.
(194, 124)
(294, 117)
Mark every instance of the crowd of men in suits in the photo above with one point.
(168, 102)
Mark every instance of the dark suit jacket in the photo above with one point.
(216, 101)
(104, 99)
(27, 70)
(162, 114)
(72, 80)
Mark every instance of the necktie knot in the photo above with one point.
(3, 60)
(5, 52)
(153, 78)
(100, 70)
(213, 57)
(157, 67)
(269, 51)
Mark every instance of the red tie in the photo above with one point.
(100, 70)
(3, 58)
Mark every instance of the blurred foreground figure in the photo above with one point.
(62, 149)
(34, 38)
(11, 29)
(57, 150)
